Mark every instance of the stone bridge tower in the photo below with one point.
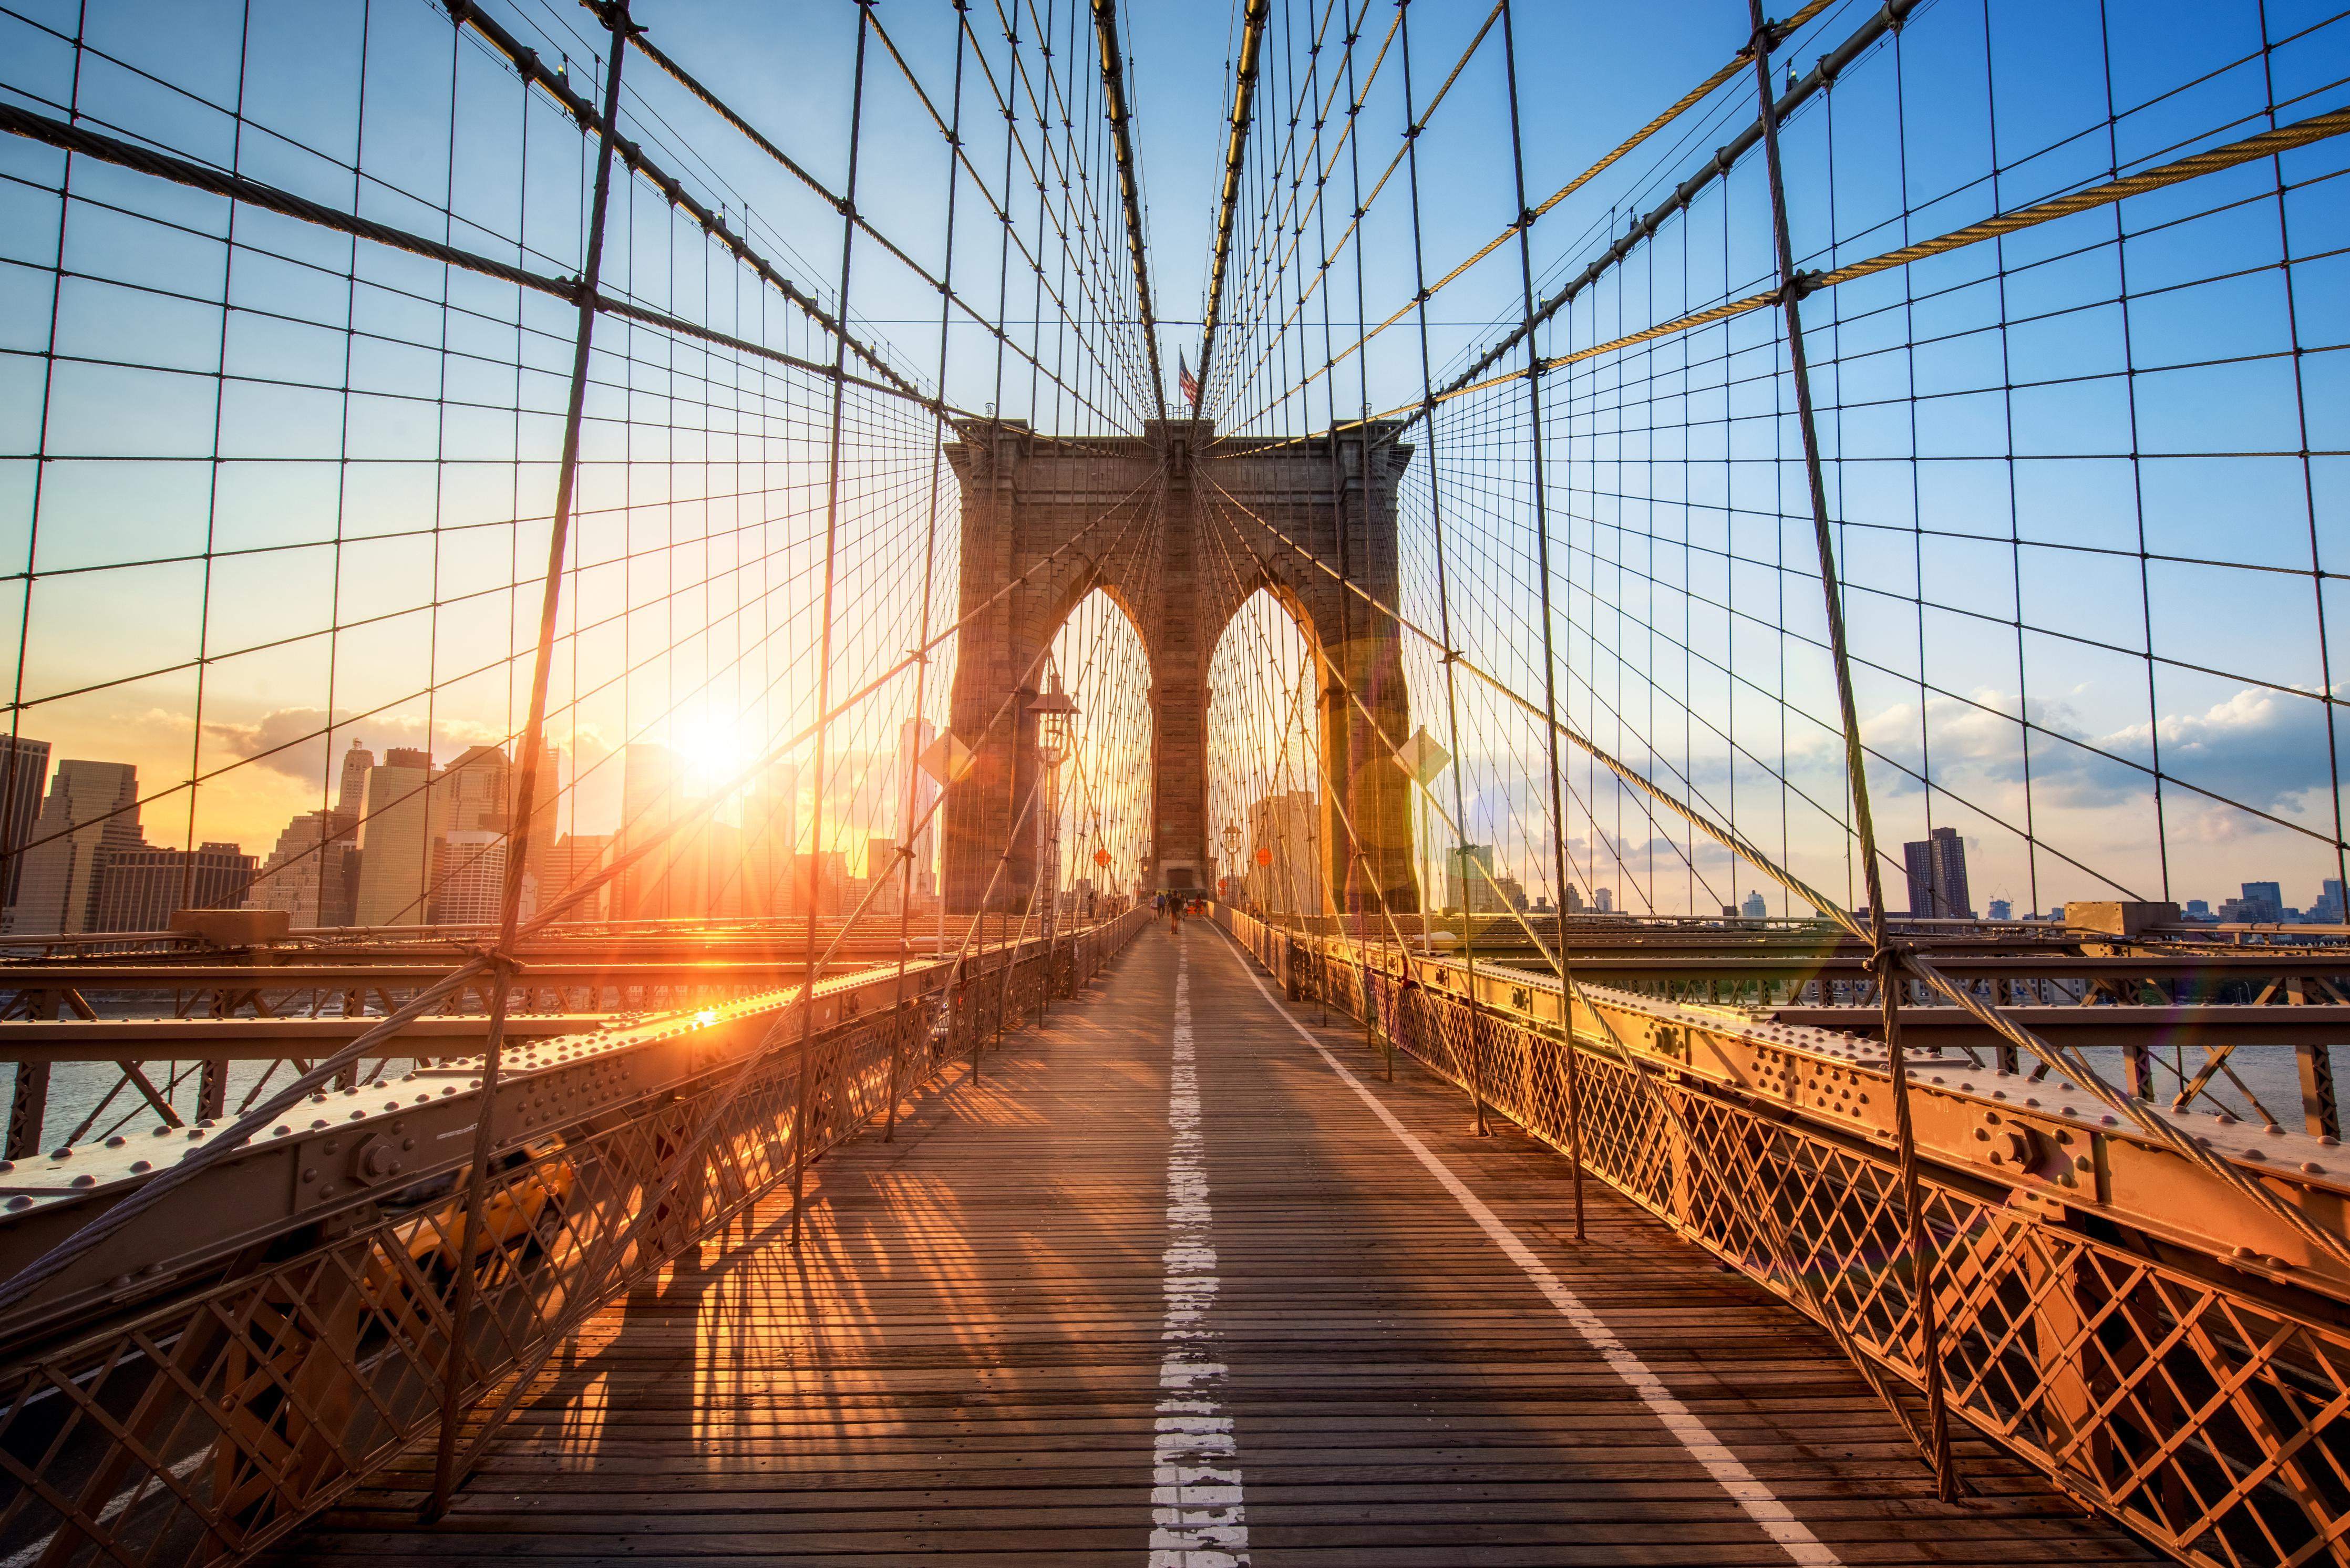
(1173, 524)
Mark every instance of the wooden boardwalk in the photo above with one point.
(1055, 1322)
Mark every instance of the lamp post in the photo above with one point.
(1233, 870)
(1055, 714)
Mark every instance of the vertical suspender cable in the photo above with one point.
(1550, 663)
(929, 566)
(1011, 966)
(1476, 1074)
(212, 478)
(1372, 889)
(1884, 958)
(800, 1106)
(566, 474)
(1338, 761)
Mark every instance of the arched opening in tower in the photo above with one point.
(1267, 803)
(1099, 830)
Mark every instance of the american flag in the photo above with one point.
(1185, 383)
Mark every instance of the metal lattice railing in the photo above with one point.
(207, 1426)
(2194, 1406)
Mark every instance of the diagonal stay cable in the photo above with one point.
(2266, 144)
(685, 1155)
(1606, 160)
(1762, 1216)
(227, 1142)
(839, 204)
(536, 72)
(2066, 1059)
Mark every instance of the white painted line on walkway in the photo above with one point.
(1731, 1475)
(1197, 1517)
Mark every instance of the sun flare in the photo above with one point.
(711, 752)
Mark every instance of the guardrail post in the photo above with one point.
(28, 1109)
(901, 1021)
(2319, 1107)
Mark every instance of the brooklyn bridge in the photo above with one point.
(1050, 781)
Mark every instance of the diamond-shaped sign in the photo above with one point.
(947, 758)
(1422, 757)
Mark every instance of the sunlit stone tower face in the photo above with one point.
(1181, 529)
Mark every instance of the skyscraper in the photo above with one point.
(138, 888)
(821, 884)
(469, 879)
(696, 874)
(91, 812)
(649, 797)
(1283, 826)
(649, 789)
(770, 825)
(570, 861)
(1937, 864)
(2262, 904)
(24, 775)
(475, 804)
(1468, 880)
(546, 790)
(351, 794)
(884, 875)
(915, 793)
(313, 873)
(396, 842)
(476, 791)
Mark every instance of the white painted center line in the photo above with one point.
(1196, 1519)
(1727, 1470)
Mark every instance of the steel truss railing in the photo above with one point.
(204, 1425)
(181, 1016)
(2198, 1405)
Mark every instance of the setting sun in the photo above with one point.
(711, 752)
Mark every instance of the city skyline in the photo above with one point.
(432, 818)
(411, 841)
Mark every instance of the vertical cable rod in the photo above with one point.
(444, 1472)
(1549, 656)
(1884, 959)
(912, 763)
(800, 1116)
(1443, 599)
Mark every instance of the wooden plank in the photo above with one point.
(964, 1357)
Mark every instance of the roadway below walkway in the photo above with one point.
(1181, 1282)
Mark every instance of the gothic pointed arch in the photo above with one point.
(1179, 527)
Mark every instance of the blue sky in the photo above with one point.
(365, 544)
